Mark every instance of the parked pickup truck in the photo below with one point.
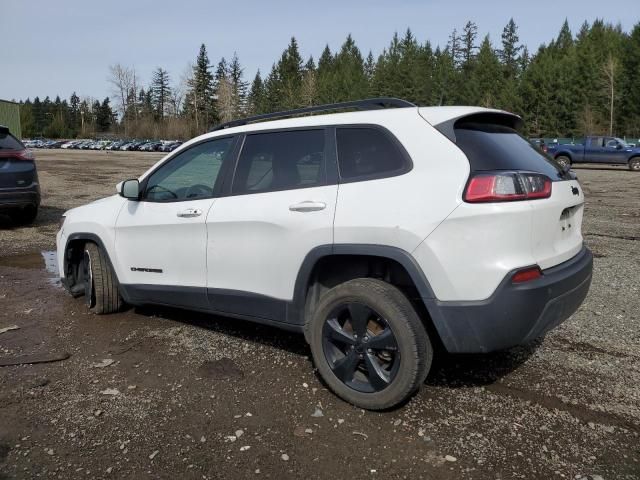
(604, 150)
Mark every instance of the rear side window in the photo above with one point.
(280, 161)
(367, 153)
(497, 147)
(9, 142)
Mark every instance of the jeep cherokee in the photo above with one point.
(379, 234)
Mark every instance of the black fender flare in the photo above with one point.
(404, 258)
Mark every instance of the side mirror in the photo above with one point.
(618, 146)
(130, 189)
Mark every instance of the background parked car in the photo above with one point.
(19, 186)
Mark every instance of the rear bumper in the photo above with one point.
(12, 198)
(516, 313)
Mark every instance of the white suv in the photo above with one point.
(381, 234)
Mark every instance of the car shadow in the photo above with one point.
(267, 335)
(476, 370)
(618, 168)
(46, 216)
(447, 370)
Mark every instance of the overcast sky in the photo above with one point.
(57, 47)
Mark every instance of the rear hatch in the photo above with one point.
(17, 168)
(493, 146)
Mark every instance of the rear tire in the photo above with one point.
(634, 164)
(563, 161)
(387, 362)
(101, 285)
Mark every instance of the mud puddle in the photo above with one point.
(45, 259)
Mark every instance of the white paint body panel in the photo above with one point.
(98, 218)
(151, 235)
(401, 211)
(256, 244)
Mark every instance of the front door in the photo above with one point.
(281, 206)
(161, 240)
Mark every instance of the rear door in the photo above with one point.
(280, 206)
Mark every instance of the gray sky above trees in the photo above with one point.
(56, 47)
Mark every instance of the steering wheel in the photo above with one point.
(162, 189)
(199, 190)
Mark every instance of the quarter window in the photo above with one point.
(280, 161)
(190, 175)
(368, 153)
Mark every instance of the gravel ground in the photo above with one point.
(157, 393)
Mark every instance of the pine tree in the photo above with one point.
(199, 98)
(454, 48)
(74, 114)
(349, 77)
(370, 67)
(272, 91)
(468, 40)
(629, 118)
(161, 92)
(256, 100)
(325, 77)
(103, 115)
(238, 87)
(487, 76)
(290, 76)
(509, 54)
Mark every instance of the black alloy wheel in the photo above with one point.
(360, 347)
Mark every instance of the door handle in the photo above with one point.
(190, 213)
(308, 206)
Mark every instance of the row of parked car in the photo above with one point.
(123, 145)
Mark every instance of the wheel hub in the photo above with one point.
(360, 347)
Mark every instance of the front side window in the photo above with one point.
(280, 161)
(368, 153)
(190, 175)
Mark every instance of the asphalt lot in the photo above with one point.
(211, 397)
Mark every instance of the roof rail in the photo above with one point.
(368, 104)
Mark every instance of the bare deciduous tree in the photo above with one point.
(122, 80)
(308, 90)
(610, 71)
(225, 100)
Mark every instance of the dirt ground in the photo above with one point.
(157, 393)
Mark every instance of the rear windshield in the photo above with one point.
(9, 142)
(497, 147)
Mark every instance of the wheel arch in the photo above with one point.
(564, 153)
(329, 265)
(635, 156)
(73, 250)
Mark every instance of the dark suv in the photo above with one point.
(19, 187)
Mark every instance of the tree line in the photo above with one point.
(574, 85)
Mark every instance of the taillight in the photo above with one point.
(526, 275)
(25, 154)
(507, 187)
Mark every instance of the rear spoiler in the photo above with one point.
(496, 118)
